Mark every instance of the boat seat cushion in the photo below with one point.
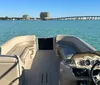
(10, 70)
(66, 49)
(22, 51)
(7, 60)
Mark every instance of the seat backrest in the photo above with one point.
(10, 70)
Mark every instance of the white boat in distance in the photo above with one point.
(60, 60)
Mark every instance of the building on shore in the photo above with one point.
(26, 17)
(44, 15)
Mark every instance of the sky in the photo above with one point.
(57, 8)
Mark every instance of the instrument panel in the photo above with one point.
(85, 60)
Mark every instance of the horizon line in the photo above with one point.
(52, 17)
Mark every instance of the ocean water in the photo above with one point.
(89, 31)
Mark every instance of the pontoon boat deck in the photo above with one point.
(28, 60)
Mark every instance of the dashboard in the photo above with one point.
(86, 60)
(80, 65)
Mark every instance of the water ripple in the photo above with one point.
(89, 31)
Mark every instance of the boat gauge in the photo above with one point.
(87, 62)
(97, 61)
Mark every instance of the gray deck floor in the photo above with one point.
(45, 69)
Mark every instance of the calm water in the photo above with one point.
(89, 31)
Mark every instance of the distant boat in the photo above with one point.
(13, 19)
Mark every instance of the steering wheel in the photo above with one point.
(95, 78)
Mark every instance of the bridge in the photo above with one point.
(78, 18)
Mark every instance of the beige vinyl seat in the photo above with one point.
(11, 72)
(24, 51)
(23, 46)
